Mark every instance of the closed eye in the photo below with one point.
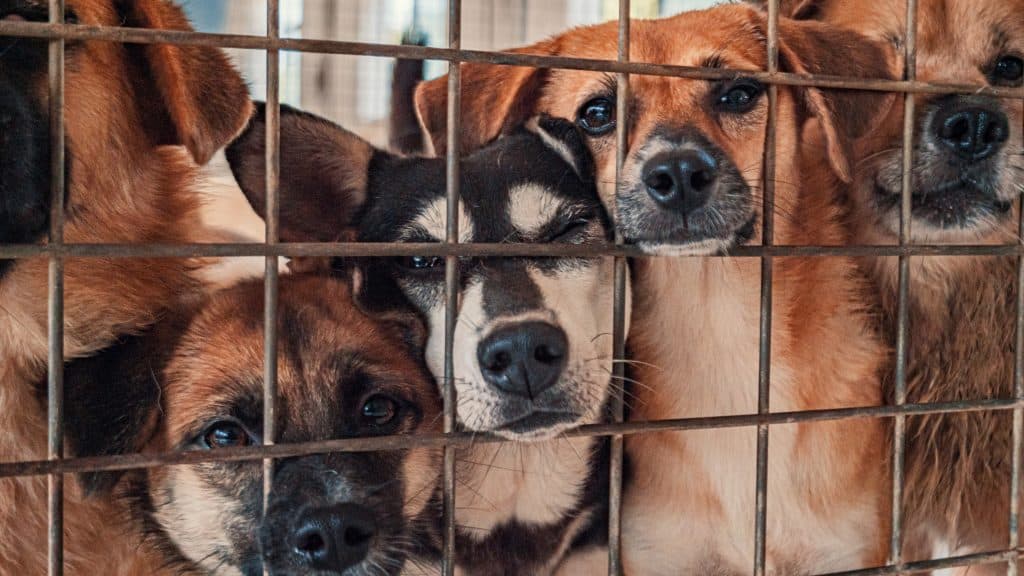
(570, 231)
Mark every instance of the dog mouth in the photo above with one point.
(686, 241)
(958, 204)
(538, 424)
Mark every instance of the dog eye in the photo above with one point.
(597, 116)
(569, 230)
(379, 411)
(422, 262)
(225, 434)
(740, 96)
(1008, 70)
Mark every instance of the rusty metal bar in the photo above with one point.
(903, 288)
(622, 96)
(151, 36)
(270, 279)
(931, 565)
(767, 275)
(1018, 393)
(55, 305)
(369, 249)
(464, 439)
(454, 135)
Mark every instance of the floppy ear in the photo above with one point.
(564, 137)
(112, 399)
(201, 100)
(817, 48)
(323, 179)
(495, 99)
(795, 9)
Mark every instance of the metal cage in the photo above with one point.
(56, 465)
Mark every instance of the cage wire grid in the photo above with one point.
(55, 466)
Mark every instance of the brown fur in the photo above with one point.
(123, 104)
(696, 318)
(961, 328)
(208, 516)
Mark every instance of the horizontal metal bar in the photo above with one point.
(463, 439)
(978, 559)
(480, 250)
(151, 36)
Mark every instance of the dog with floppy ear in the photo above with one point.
(967, 173)
(691, 185)
(195, 382)
(532, 349)
(138, 119)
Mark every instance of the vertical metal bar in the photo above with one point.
(899, 424)
(270, 280)
(55, 320)
(451, 278)
(615, 565)
(767, 274)
(1018, 394)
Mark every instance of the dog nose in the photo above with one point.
(333, 538)
(971, 132)
(681, 181)
(524, 359)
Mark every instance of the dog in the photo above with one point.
(138, 119)
(532, 343)
(195, 382)
(691, 185)
(968, 165)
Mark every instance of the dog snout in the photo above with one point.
(971, 131)
(681, 181)
(524, 359)
(333, 538)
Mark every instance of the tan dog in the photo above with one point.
(692, 186)
(968, 169)
(124, 105)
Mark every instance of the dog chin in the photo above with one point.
(706, 247)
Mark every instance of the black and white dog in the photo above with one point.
(533, 344)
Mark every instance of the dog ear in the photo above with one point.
(201, 100)
(845, 115)
(495, 99)
(795, 9)
(112, 398)
(323, 179)
(565, 138)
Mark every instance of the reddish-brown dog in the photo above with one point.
(968, 166)
(691, 186)
(134, 116)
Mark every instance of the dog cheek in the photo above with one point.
(420, 471)
(200, 519)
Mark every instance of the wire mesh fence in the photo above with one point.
(56, 466)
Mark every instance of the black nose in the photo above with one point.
(524, 359)
(681, 181)
(333, 538)
(971, 132)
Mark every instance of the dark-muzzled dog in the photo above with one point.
(195, 382)
(138, 118)
(532, 344)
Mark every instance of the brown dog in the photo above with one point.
(692, 186)
(968, 166)
(195, 382)
(128, 108)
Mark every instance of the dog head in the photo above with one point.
(968, 153)
(532, 347)
(691, 180)
(121, 102)
(195, 383)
